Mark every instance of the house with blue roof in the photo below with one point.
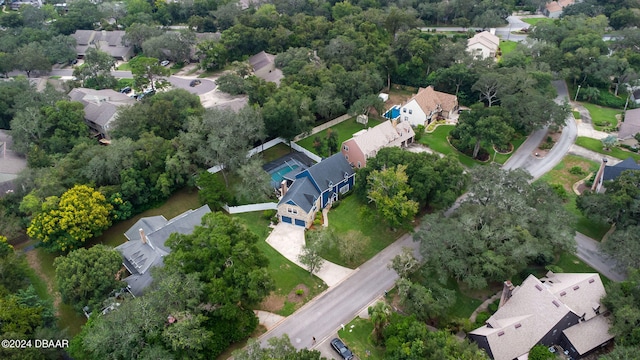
(314, 189)
(607, 173)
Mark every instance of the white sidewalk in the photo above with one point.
(288, 240)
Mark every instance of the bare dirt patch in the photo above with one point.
(298, 294)
(272, 303)
(32, 260)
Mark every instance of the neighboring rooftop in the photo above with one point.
(100, 105)
(631, 124)
(431, 100)
(373, 139)
(146, 246)
(612, 172)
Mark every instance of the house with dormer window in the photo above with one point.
(427, 106)
(562, 310)
(314, 189)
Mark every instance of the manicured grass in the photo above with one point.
(576, 115)
(437, 141)
(357, 337)
(178, 203)
(561, 175)
(351, 214)
(124, 67)
(507, 46)
(345, 130)
(275, 152)
(534, 21)
(286, 274)
(465, 303)
(571, 264)
(596, 145)
(602, 117)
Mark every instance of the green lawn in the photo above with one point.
(350, 215)
(357, 336)
(602, 117)
(345, 130)
(124, 67)
(275, 152)
(178, 203)
(561, 175)
(571, 264)
(596, 145)
(286, 274)
(507, 46)
(576, 115)
(465, 303)
(534, 21)
(437, 141)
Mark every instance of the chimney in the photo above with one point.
(283, 187)
(143, 237)
(507, 289)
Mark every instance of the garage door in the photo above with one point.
(300, 222)
(286, 219)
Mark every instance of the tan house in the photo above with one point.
(631, 124)
(483, 45)
(366, 143)
(554, 9)
(558, 310)
(264, 67)
(100, 108)
(428, 105)
(107, 41)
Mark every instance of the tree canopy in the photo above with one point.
(504, 224)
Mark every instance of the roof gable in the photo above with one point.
(301, 193)
(331, 170)
(373, 139)
(261, 60)
(431, 101)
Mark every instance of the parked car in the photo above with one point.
(195, 82)
(164, 62)
(342, 349)
(126, 90)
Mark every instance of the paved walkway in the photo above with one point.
(592, 155)
(288, 240)
(267, 319)
(484, 306)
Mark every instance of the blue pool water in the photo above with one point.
(278, 176)
(392, 113)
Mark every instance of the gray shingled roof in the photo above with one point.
(302, 193)
(612, 172)
(100, 106)
(261, 59)
(631, 124)
(139, 257)
(330, 170)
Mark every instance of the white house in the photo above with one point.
(483, 45)
(428, 105)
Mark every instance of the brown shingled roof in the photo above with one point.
(428, 99)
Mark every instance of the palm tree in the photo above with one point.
(379, 315)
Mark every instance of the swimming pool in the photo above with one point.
(278, 176)
(392, 113)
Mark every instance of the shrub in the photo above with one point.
(419, 130)
(555, 268)
(335, 204)
(493, 307)
(268, 214)
(576, 170)
(482, 318)
(299, 292)
(629, 147)
(589, 182)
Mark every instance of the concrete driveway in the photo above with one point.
(288, 240)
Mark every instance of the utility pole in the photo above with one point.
(577, 92)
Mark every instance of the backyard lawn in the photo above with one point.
(286, 274)
(596, 145)
(602, 117)
(561, 175)
(345, 130)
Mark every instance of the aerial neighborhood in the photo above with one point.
(270, 179)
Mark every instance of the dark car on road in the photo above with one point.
(342, 349)
(195, 82)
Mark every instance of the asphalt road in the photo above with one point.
(524, 157)
(322, 317)
(589, 253)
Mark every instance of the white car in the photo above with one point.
(164, 62)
